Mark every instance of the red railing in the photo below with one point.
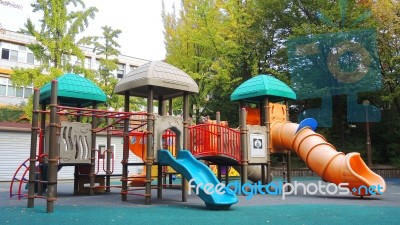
(214, 140)
(169, 141)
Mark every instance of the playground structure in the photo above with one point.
(263, 131)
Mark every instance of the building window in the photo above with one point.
(121, 71)
(17, 53)
(96, 64)
(19, 92)
(132, 68)
(30, 58)
(88, 62)
(73, 60)
(7, 89)
(22, 57)
(10, 89)
(5, 53)
(14, 55)
(3, 86)
(28, 92)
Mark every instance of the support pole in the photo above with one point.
(262, 112)
(284, 173)
(243, 145)
(263, 115)
(32, 157)
(219, 173)
(227, 174)
(76, 167)
(125, 151)
(161, 111)
(92, 174)
(53, 150)
(219, 136)
(219, 169)
(108, 155)
(289, 153)
(170, 112)
(150, 144)
(263, 174)
(41, 148)
(185, 139)
(241, 105)
(268, 139)
(170, 109)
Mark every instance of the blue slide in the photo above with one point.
(187, 165)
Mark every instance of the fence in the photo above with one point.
(305, 172)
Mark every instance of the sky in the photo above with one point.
(139, 20)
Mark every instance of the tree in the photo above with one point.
(327, 26)
(387, 17)
(55, 41)
(106, 48)
(214, 42)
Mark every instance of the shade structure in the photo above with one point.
(74, 90)
(261, 86)
(167, 81)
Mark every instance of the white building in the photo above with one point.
(14, 53)
(15, 140)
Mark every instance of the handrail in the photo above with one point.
(112, 162)
(22, 179)
(15, 174)
(214, 140)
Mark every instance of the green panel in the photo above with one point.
(262, 86)
(74, 90)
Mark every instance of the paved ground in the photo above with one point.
(260, 209)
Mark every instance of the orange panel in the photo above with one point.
(277, 112)
(253, 116)
(137, 144)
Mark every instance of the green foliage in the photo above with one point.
(386, 138)
(55, 42)
(56, 38)
(387, 17)
(215, 42)
(223, 43)
(35, 76)
(106, 46)
(11, 113)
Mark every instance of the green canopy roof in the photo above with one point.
(74, 90)
(261, 86)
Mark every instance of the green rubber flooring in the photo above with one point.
(271, 214)
(107, 208)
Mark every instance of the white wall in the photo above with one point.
(15, 148)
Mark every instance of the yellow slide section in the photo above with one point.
(322, 158)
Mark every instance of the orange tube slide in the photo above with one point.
(322, 158)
